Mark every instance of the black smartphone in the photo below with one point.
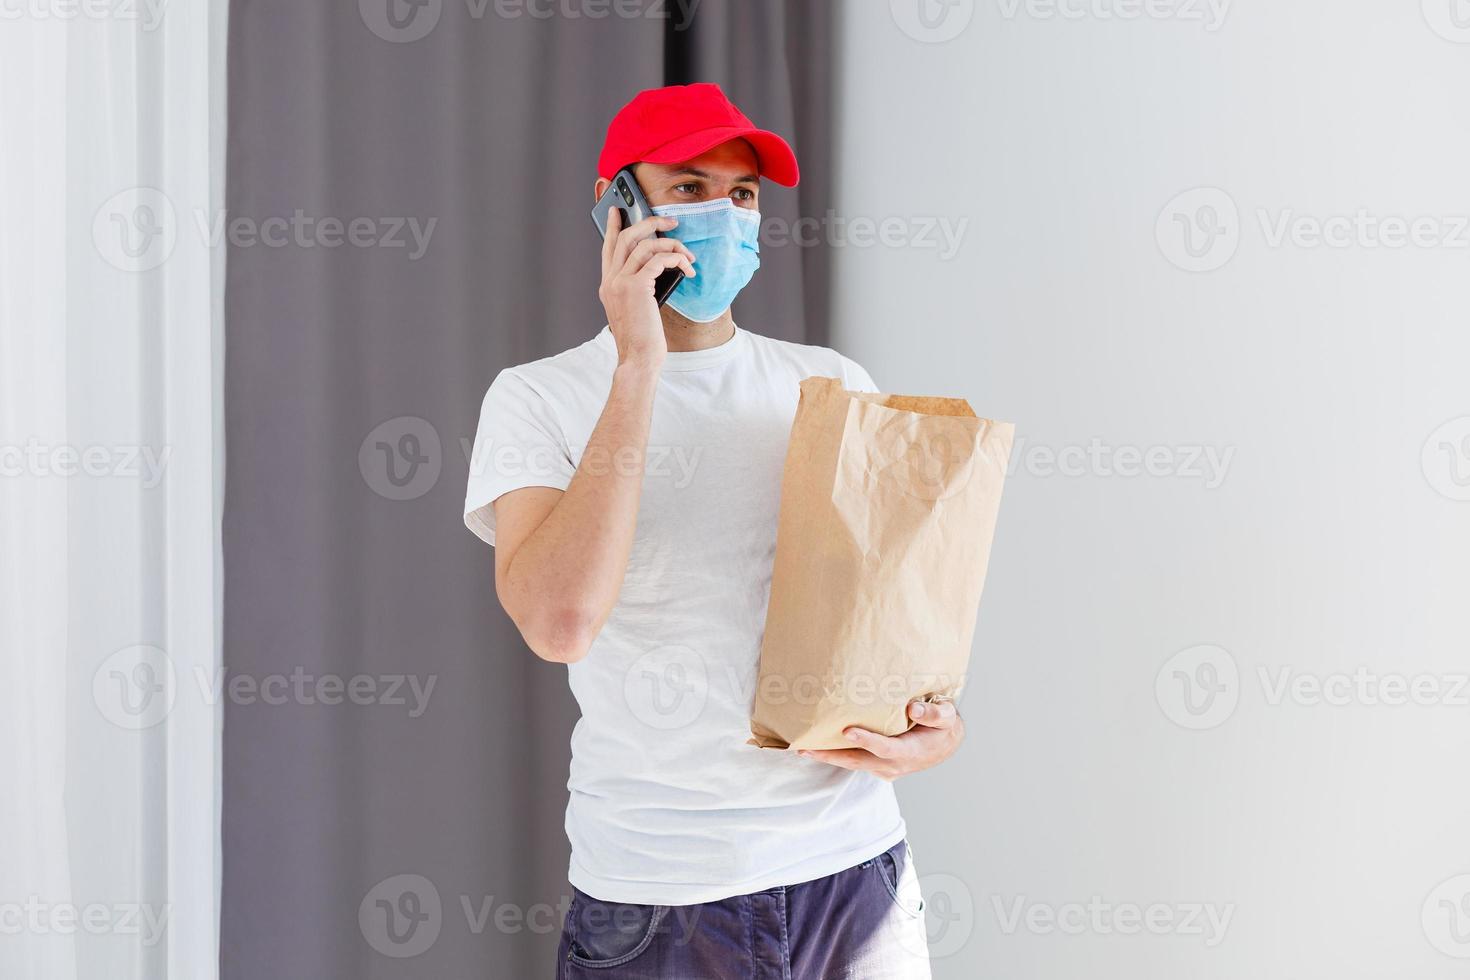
(625, 195)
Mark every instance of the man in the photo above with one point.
(631, 486)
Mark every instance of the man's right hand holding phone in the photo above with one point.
(632, 260)
(560, 556)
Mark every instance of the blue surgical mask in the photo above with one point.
(725, 240)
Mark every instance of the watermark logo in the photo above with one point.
(1362, 688)
(401, 916)
(931, 458)
(1099, 917)
(400, 21)
(1450, 19)
(941, 234)
(512, 918)
(135, 230)
(676, 466)
(138, 229)
(1198, 687)
(1445, 459)
(857, 688)
(679, 12)
(404, 21)
(932, 21)
(401, 459)
(147, 923)
(148, 14)
(1207, 464)
(1199, 229)
(1201, 686)
(948, 911)
(145, 464)
(667, 688)
(1210, 14)
(1363, 229)
(410, 692)
(135, 688)
(1446, 917)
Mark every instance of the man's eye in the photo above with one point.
(687, 188)
(744, 194)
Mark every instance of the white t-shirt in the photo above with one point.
(669, 805)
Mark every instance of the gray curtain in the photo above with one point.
(357, 355)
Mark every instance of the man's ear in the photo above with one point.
(597, 188)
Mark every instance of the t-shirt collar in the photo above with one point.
(687, 360)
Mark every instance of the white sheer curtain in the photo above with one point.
(110, 465)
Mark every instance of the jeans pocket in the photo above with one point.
(608, 934)
(897, 871)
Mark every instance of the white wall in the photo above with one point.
(1330, 536)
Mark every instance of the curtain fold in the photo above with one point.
(110, 495)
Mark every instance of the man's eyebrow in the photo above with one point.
(705, 175)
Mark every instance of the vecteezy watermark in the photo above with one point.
(401, 916)
(931, 460)
(1362, 686)
(405, 21)
(1445, 917)
(1210, 14)
(404, 915)
(853, 688)
(948, 907)
(667, 688)
(1198, 687)
(1096, 917)
(146, 464)
(1199, 229)
(137, 230)
(513, 918)
(137, 687)
(1450, 19)
(401, 458)
(300, 687)
(1445, 459)
(932, 21)
(1363, 229)
(677, 465)
(147, 13)
(400, 21)
(37, 918)
(938, 233)
(1207, 464)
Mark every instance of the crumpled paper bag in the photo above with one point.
(888, 509)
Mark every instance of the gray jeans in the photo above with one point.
(864, 923)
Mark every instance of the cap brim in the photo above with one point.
(773, 155)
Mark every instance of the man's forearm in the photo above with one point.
(564, 579)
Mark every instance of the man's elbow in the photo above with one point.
(561, 636)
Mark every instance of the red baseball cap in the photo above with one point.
(679, 122)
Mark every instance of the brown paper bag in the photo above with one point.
(888, 507)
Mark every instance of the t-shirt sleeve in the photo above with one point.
(519, 443)
(854, 378)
